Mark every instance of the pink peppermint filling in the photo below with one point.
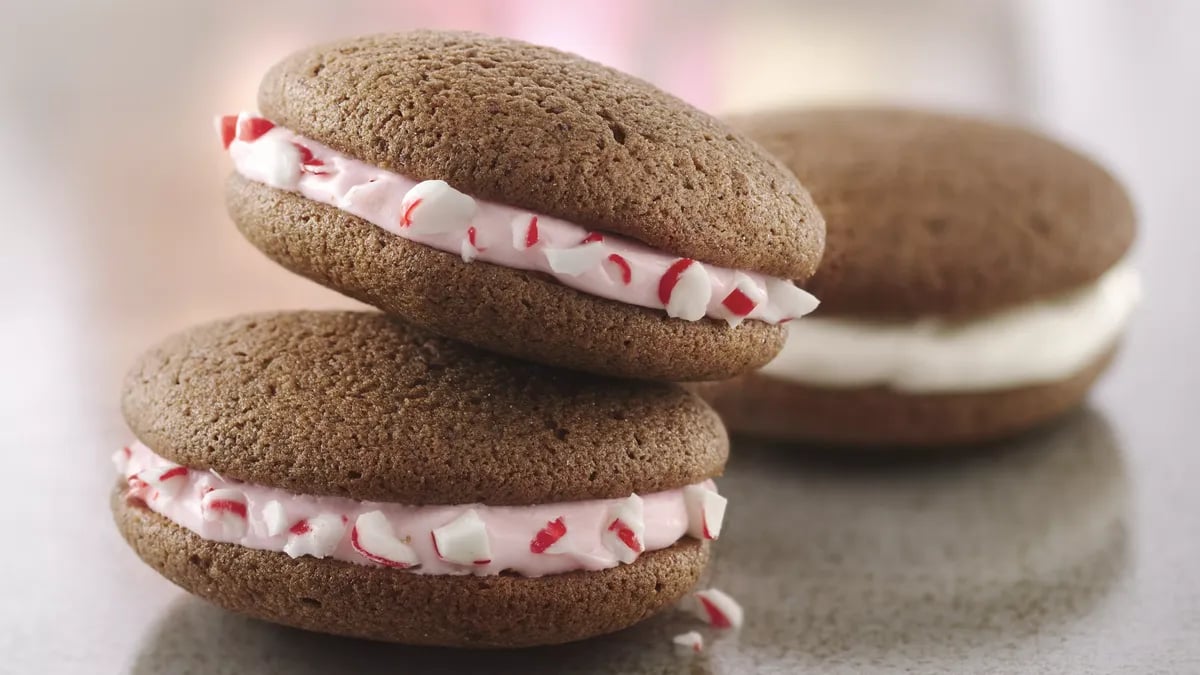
(457, 539)
(435, 214)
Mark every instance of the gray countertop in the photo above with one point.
(838, 566)
(1073, 550)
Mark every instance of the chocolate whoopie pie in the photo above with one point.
(526, 201)
(974, 284)
(344, 473)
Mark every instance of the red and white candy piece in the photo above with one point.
(741, 299)
(463, 540)
(706, 511)
(120, 460)
(547, 539)
(684, 290)
(249, 128)
(205, 483)
(525, 232)
(577, 259)
(226, 126)
(275, 518)
(227, 507)
(624, 529)
(470, 245)
(618, 269)
(309, 162)
(167, 480)
(691, 641)
(374, 539)
(718, 609)
(792, 301)
(317, 536)
(280, 161)
(433, 207)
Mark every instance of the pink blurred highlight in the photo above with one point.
(628, 35)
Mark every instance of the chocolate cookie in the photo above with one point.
(346, 473)
(880, 417)
(379, 603)
(527, 201)
(932, 214)
(974, 283)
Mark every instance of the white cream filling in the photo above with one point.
(1040, 342)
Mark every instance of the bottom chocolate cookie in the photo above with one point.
(766, 407)
(379, 603)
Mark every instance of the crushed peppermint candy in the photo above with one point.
(435, 214)
(690, 641)
(718, 608)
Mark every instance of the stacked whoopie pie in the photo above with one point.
(402, 476)
(975, 282)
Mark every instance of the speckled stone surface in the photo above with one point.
(840, 567)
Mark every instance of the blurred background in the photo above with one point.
(114, 231)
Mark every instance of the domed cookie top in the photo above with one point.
(548, 131)
(361, 406)
(527, 202)
(936, 214)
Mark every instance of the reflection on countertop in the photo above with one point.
(839, 566)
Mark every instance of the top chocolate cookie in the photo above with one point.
(551, 132)
(526, 201)
(937, 214)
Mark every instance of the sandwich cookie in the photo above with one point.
(344, 473)
(974, 285)
(526, 201)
